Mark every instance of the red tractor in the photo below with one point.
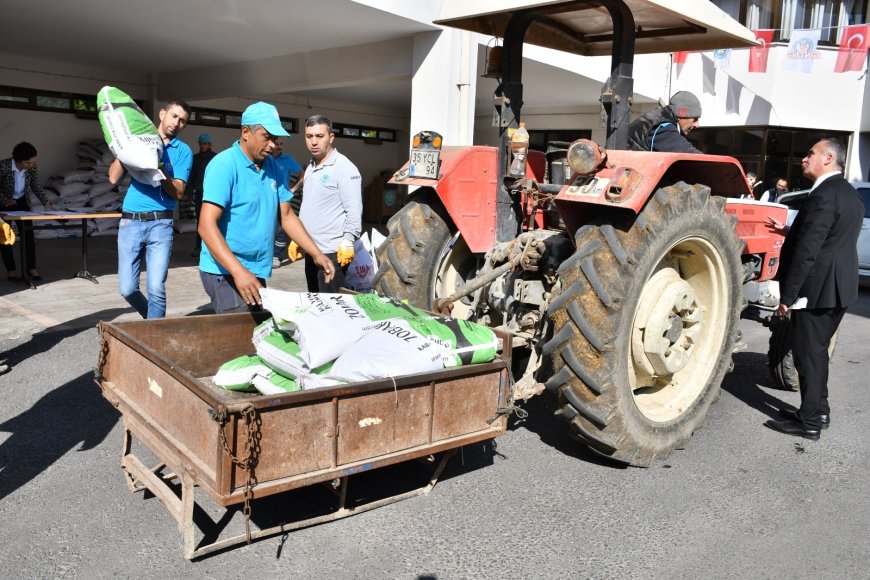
(623, 273)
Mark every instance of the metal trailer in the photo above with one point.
(240, 447)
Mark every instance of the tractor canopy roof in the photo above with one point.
(586, 27)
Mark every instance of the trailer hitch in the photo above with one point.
(524, 251)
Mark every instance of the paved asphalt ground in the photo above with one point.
(740, 501)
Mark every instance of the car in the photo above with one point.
(863, 188)
(795, 199)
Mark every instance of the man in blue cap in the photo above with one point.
(197, 174)
(244, 195)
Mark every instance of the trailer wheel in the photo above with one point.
(407, 261)
(779, 356)
(644, 320)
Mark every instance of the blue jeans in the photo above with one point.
(153, 241)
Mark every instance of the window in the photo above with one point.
(371, 134)
(769, 152)
(53, 102)
(84, 106)
(786, 16)
(231, 119)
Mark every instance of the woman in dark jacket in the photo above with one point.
(18, 176)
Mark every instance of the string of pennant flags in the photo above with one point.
(802, 50)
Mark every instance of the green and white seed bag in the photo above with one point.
(130, 135)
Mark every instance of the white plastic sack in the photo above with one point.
(109, 232)
(281, 353)
(389, 348)
(74, 175)
(131, 136)
(325, 324)
(76, 200)
(103, 225)
(237, 374)
(274, 384)
(106, 199)
(99, 188)
(361, 271)
(74, 188)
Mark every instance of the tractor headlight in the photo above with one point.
(584, 156)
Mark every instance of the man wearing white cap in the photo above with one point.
(243, 191)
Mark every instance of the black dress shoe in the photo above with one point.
(795, 428)
(791, 415)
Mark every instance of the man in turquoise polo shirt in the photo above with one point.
(293, 175)
(145, 229)
(244, 194)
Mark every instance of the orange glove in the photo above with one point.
(294, 252)
(7, 236)
(345, 253)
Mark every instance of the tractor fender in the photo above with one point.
(630, 178)
(467, 187)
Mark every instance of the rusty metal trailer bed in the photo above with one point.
(239, 447)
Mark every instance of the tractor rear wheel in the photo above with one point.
(644, 321)
(408, 260)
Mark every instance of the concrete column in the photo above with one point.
(443, 84)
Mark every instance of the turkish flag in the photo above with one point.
(680, 57)
(853, 48)
(758, 54)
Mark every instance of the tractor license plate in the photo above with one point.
(590, 186)
(424, 164)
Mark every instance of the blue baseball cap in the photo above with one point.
(204, 138)
(264, 114)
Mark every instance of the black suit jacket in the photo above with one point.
(7, 183)
(820, 256)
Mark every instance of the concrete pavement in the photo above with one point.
(741, 501)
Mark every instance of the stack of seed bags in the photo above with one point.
(366, 336)
(321, 340)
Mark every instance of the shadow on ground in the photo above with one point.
(554, 432)
(46, 339)
(71, 415)
(747, 385)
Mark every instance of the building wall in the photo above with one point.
(55, 135)
(821, 100)
(370, 159)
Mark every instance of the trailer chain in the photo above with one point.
(249, 460)
(104, 353)
(510, 408)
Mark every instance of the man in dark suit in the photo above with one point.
(818, 280)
